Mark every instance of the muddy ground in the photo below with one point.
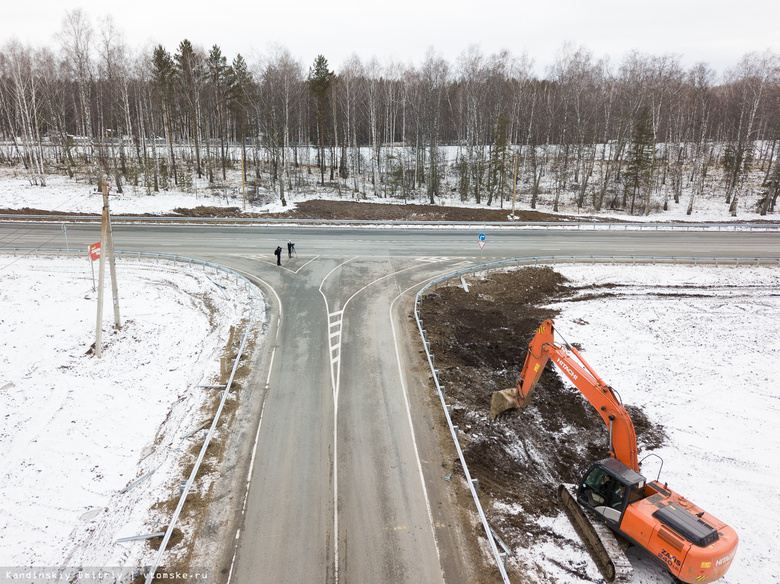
(354, 210)
(351, 211)
(479, 339)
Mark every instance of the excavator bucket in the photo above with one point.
(535, 360)
(506, 399)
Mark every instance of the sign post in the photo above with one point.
(94, 254)
(482, 239)
(107, 243)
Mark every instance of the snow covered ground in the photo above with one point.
(77, 197)
(78, 429)
(697, 349)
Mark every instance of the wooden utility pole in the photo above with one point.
(243, 182)
(106, 247)
(514, 190)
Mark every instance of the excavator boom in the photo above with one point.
(569, 360)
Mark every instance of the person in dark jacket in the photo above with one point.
(278, 254)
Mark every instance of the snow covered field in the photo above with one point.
(77, 197)
(70, 196)
(697, 349)
(78, 429)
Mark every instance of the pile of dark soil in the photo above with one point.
(348, 211)
(29, 211)
(204, 211)
(479, 339)
(365, 211)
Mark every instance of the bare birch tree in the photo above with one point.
(76, 42)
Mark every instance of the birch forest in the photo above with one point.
(634, 136)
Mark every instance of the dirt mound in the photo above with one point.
(348, 211)
(29, 211)
(206, 211)
(479, 339)
(365, 211)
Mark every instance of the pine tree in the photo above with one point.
(498, 152)
(163, 74)
(217, 68)
(639, 165)
(320, 79)
(240, 100)
(188, 69)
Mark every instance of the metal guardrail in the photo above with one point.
(473, 483)
(495, 225)
(176, 259)
(254, 294)
(611, 259)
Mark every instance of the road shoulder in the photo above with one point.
(455, 534)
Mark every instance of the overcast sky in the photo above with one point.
(718, 32)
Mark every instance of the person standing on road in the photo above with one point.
(290, 246)
(278, 254)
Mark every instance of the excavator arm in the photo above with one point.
(569, 360)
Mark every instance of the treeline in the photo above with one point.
(620, 137)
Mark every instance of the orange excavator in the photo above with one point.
(692, 544)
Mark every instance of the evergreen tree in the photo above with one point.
(639, 163)
(189, 71)
(217, 70)
(320, 79)
(498, 152)
(163, 75)
(240, 89)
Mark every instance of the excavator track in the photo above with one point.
(600, 541)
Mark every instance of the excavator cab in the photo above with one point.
(608, 487)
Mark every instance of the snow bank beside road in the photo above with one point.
(78, 429)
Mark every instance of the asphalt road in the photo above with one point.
(342, 490)
(220, 243)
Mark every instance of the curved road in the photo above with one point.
(344, 485)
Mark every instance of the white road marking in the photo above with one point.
(335, 372)
(260, 423)
(262, 260)
(336, 381)
(251, 467)
(409, 419)
(433, 260)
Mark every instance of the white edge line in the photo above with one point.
(251, 469)
(259, 424)
(411, 426)
(271, 288)
(306, 264)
